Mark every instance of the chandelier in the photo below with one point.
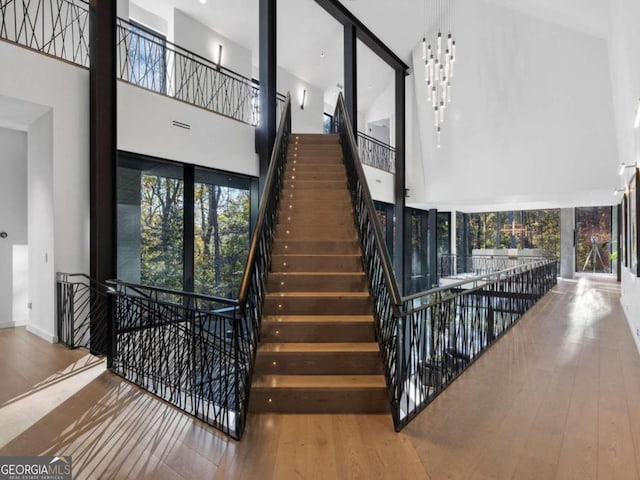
(439, 56)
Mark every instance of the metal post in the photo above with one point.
(103, 145)
(351, 75)
(266, 131)
(400, 265)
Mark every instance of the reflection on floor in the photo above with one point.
(557, 397)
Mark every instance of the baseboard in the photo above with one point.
(47, 336)
(632, 327)
(11, 324)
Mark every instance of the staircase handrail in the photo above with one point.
(269, 193)
(389, 276)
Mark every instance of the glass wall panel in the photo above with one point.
(593, 239)
(150, 223)
(221, 233)
(151, 209)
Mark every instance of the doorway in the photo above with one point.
(14, 265)
(594, 248)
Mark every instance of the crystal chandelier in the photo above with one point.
(439, 56)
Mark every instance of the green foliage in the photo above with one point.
(221, 235)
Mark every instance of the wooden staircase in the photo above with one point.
(318, 352)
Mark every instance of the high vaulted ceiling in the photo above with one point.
(306, 31)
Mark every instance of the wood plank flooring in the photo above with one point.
(557, 398)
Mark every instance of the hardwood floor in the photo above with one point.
(557, 398)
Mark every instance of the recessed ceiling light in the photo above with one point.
(321, 54)
(203, 2)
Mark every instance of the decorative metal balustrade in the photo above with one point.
(452, 266)
(426, 340)
(376, 153)
(445, 329)
(184, 348)
(149, 61)
(59, 28)
(82, 318)
(194, 351)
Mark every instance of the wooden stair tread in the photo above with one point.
(319, 274)
(318, 294)
(325, 382)
(342, 255)
(318, 319)
(318, 347)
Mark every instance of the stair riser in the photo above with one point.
(317, 332)
(315, 147)
(316, 283)
(334, 363)
(296, 176)
(338, 220)
(315, 247)
(314, 168)
(315, 263)
(317, 306)
(314, 401)
(299, 159)
(309, 195)
(316, 138)
(298, 184)
(330, 207)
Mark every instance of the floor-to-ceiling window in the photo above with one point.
(168, 212)
(593, 239)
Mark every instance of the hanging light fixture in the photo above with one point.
(439, 56)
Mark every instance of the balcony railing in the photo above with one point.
(59, 28)
(454, 266)
(376, 153)
(149, 61)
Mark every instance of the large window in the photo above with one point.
(537, 229)
(168, 212)
(221, 233)
(593, 239)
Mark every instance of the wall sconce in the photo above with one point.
(624, 166)
(618, 190)
(406, 192)
(219, 56)
(304, 99)
(636, 124)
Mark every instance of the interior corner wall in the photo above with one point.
(13, 221)
(624, 54)
(311, 119)
(60, 221)
(194, 36)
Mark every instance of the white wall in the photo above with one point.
(381, 184)
(149, 19)
(213, 141)
(531, 117)
(196, 37)
(42, 239)
(13, 221)
(383, 107)
(64, 198)
(309, 120)
(624, 49)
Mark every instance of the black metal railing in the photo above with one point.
(253, 286)
(376, 153)
(151, 62)
(59, 28)
(182, 347)
(81, 312)
(375, 255)
(445, 329)
(427, 339)
(196, 352)
(474, 265)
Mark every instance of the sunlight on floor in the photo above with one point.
(22, 412)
